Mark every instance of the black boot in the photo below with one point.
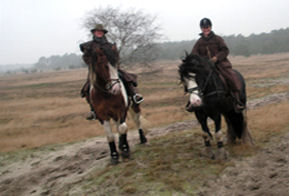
(123, 146)
(113, 153)
(142, 137)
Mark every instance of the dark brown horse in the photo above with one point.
(110, 102)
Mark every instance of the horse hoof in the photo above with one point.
(212, 156)
(125, 155)
(209, 153)
(143, 140)
(114, 161)
(221, 155)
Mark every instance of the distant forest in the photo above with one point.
(276, 41)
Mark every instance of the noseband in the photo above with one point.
(202, 89)
(111, 83)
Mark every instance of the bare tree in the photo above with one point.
(134, 32)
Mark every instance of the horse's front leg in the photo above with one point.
(202, 118)
(123, 143)
(111, 142)
(221, 153)
(136, 115)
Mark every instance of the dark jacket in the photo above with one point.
(211, 46)
(105, 51)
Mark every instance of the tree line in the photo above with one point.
(276, 41)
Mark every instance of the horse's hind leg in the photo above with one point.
(136, 115)
(221, 154)
(111, 142)
(123, 143)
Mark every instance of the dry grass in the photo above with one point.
(45, 108)
(268, 121)
(175, 164)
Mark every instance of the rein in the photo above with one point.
(201, 90)
(109, 84)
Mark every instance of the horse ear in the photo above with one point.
(187, 54)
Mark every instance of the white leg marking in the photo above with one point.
(109, 134)
(136, 118)
(122, 129)
(219, 136)
(206, 136)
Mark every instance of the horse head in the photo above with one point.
(103, 75)
(193, 68)
(188, 71)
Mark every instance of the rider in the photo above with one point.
(104, 49)
(213, 47)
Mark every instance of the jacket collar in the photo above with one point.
(209, 37)
(100, 40)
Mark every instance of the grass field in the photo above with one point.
(46, 108)
(41, 113)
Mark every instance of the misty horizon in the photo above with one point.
(30, 29)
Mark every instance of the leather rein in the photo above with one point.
(201, 90)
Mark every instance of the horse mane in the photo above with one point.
(194, 64)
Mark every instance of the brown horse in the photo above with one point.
(109, 100)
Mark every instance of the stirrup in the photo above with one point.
(134, 98)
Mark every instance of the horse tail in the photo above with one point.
(238, 127)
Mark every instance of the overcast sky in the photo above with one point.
(30, 29)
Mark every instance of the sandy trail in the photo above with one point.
(51, 172)
(266, 173)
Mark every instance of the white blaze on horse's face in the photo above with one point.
(118, 87)
(194, 100)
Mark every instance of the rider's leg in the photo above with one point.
(130, 86)
(85, 93)
(234, 84)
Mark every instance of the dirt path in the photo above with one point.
(51, 172)
(267, 173)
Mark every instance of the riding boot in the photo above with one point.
(91, 115)
(238, 105)
(131, 91)
(85, 93)
(85, 89)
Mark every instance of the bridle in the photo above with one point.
(203, 88)
(109, 84)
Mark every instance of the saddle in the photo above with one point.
(224, 81)
(127, 77)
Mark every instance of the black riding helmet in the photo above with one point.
(205, 23)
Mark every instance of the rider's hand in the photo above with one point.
(214, 59)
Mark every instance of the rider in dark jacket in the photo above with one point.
(213, 47)
(106, 51)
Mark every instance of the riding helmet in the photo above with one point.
(205, 23)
